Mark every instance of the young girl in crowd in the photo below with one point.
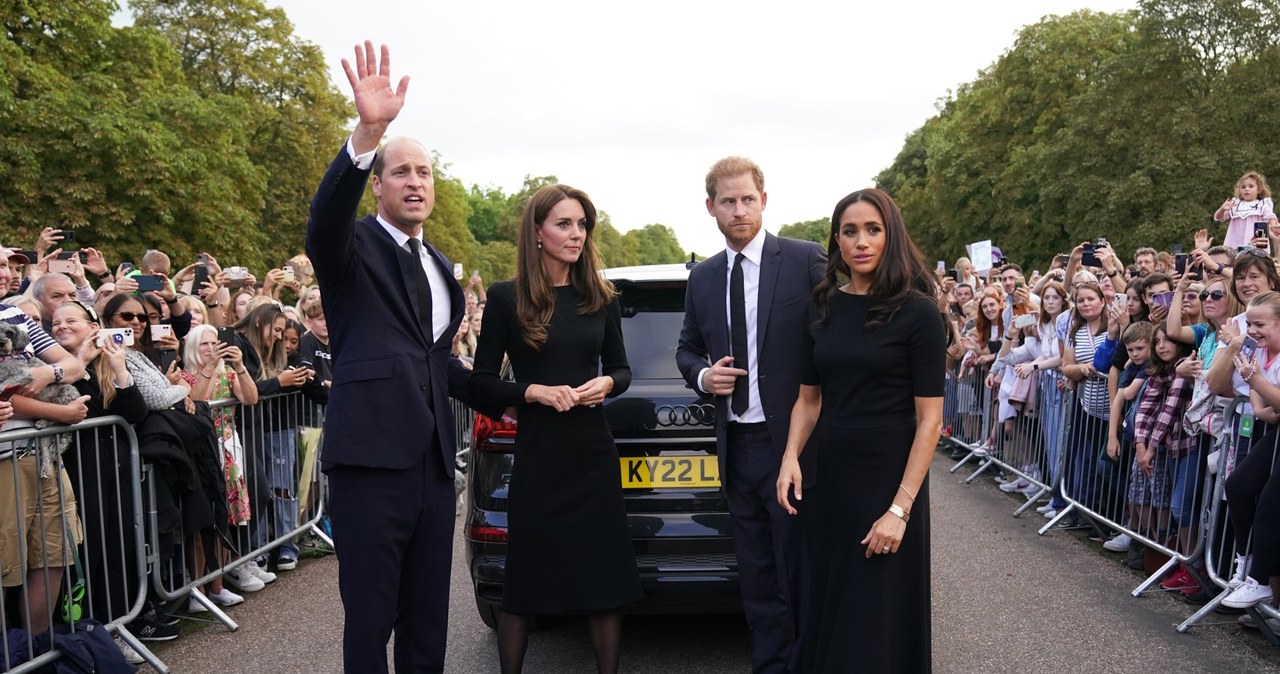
(1253, 488)
(1251, 203)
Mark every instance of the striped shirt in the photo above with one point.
(40, 341)
(1092, 391)
(1163, 402)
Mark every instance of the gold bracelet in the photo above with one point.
(909, 494)
(897, 511)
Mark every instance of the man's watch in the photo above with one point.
(105, 275)
(897, 511)
(58, 374)
(1221, 266)
(1035, 366)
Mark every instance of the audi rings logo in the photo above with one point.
(686, 415)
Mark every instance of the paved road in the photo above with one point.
(1005, 600)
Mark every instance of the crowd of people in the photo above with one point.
(1124, 377)
(156, 346)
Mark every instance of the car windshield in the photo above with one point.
(652, 314)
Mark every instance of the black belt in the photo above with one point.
(740, 427)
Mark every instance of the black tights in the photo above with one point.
(606, 638)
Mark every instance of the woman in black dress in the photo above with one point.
(872, 397)
(569, 549)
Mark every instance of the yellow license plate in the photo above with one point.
(658, 472)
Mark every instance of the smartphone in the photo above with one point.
(9, 391)
(1249, 348)
(227, 335)
(57, 266)
(125, 268)
(30, 255)
(1024, 320)
(1087, 257)
(237, 277)
(1102, 242)
(457, 270)
(1122, 301)
(1180, 263)
(148, 283)
(167, 359)
(160, 331)
(201, 277)
(288, 274)
(1062, 260)
(953, 275)
(1176, 249)
(121, 336)
(1164, 299)
(1259, 230)
(942, 266)
(202, 259)
(67, 235)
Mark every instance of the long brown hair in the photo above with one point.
(902, 272)
(100, 366)
(983, 324)
(273, 358)
(535, 296)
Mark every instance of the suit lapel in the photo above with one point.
(404, 262)
(770, 263)
(719, 314)
(456, 302)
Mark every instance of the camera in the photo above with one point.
(121, 336)
(160, 331)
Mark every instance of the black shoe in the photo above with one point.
(1223, 609)
(148, 628)
(1199, 598)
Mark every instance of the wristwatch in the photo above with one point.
(1035, 366)
(1221, 266)
(105, 275)
(57, 373)
(897, 511)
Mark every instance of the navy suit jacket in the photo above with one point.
(389, 401)
(789, 269)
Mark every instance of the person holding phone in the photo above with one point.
(100, 464)
(1250, 203)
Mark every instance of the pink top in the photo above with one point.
(1241, 218)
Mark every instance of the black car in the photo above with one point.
(665, 434)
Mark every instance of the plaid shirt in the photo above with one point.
(1159, 416)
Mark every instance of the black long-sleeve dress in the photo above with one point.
(569, 549)
(870, 614)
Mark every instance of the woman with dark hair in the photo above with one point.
(561, 327)
(872, 399)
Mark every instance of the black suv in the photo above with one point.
(666, 440)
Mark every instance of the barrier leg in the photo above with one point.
(1056, 518)
(151, 659)
(1155, 577)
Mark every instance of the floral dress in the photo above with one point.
(224, 424)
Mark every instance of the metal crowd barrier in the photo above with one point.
(1222, 554)
(99, 548)
(279, 438)
(1057, 446)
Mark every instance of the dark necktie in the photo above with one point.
(738, 336)
(423, 289)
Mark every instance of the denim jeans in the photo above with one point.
(282, 477)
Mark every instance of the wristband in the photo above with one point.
(105, 275)
(1035, 366)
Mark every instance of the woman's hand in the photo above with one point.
(188, 405)
(1190, 367)
(165, 292)
(6, 411)
(126, 285)
(1024, 370)
(294, 377)
(1245, 367)
(562, 398)
(233, 356)
(89, 350)
(1229, 334)
(789, 477)
(885, 535)
(174, 373)
(595, 391)
(1087, 370)
(75, 411)
(1113, 448)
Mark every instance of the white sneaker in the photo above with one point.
(194, 606)
(1248, 594)
(244, 578)
(225, 598)
(1045, 508)
(1030, 490)
(1014, 485)
(131, 656)
(1120, 543)
(1050, 514)
(1243, 562)
(260, 573)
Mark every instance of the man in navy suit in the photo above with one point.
(753, 373)
(392, 309)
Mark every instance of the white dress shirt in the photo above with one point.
(753, 252)
(441, 307)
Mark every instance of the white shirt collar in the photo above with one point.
(754, 250)
(400, 237)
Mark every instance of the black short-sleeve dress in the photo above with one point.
(569, 549)
(870, 615)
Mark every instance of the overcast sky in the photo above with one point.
(632, 102)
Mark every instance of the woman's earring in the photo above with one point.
(539, 245)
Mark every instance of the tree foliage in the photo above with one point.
(1131, 126)
(817, 231)
(655, 244)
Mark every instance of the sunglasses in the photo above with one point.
(1256, 252)
(129, 316)
(1214, 295)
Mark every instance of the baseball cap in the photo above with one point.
(13, 254)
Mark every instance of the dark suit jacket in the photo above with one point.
(789, 269)
(391, 383)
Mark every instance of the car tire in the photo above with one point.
(488, 614)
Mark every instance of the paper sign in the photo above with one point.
(980, 255)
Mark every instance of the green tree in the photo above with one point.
(655, 244)
(99, 131)
(615, 249)
(489, 206)
(293, 119)
(818, 231)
